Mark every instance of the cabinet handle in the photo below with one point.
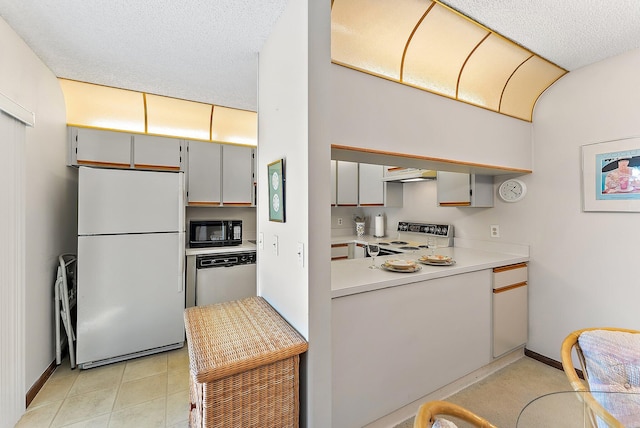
(510, 267)
(509, 287)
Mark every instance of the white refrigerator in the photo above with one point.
(131, 252)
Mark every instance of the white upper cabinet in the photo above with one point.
(347, 179)
(237, 175)
(371, 186)
(204, 174)
(153, 152)
(464, 190)
(360, 184)
(99, 148)
(334, 183)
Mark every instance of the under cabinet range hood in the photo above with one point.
(409, 175)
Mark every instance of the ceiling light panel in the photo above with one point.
(98, 106)
(234, 126)
(178, 118)
(438, 50)
(429, 46)
(487, 71)
(371, 35)
(526, 85)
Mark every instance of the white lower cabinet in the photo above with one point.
(510, 308)
(340, 251)
(393, 346)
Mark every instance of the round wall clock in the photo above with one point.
(512, 190)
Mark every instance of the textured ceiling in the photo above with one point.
(206, 50)
(569, 33)
(199, 50)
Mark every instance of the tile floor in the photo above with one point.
(151, 391)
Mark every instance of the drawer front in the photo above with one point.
(509, 275)
(339, 251)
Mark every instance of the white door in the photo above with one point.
(204, 173)
(347, 183)
(153, 152)
(130, 294)
(237, 175)
(129, 201)
(106, 148)
(371, 186)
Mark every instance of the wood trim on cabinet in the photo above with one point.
(203, 204)
(372, 205)
(509, 287)
(347, 205)
(510, 267)
(37, 386)
(107, 164)
(340, 258)
(156, 167)
(455, 204)
(237, 204)
(429, 158)
(339, 245)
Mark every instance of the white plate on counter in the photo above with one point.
(411, 269)
(447, 263)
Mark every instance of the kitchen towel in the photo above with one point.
(379, 226)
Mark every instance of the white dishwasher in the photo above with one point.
(224, 277)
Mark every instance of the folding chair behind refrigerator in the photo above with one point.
(65, 301)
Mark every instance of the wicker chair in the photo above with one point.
(609, 359)
(426, 417)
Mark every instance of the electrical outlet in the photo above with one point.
(495, 231)
(339, 221)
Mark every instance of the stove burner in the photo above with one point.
(409, 248)
(399, 242)
(384, 243)
(423, 246)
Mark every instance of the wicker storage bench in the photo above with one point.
(244, 359)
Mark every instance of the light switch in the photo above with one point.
(275, 244)
(300, 253)
(261, 241)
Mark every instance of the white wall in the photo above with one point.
(293, 101)
(582, 270)
(50, 222)
(373, 113)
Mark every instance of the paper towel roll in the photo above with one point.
(379, 226)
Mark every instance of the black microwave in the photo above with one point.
(215, 233)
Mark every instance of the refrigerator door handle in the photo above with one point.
(181, 261)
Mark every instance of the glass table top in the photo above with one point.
(570, 409)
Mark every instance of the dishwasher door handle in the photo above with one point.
(207, 263)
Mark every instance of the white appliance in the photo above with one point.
(414, 236)
(130, 273)
(224, 277)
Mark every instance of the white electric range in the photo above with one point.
(416, 236)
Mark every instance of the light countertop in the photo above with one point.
(245, 246)
(354, 276)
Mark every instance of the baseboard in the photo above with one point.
(548, 361)
(37, 386)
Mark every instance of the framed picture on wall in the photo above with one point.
(611, 176)
(276, 191)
